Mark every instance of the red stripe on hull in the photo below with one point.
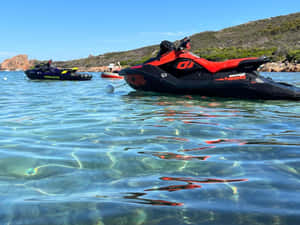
(111, 75)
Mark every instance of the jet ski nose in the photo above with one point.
(128, 71)
(122, 72)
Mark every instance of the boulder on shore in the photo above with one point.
(19, 62)
(280, 67)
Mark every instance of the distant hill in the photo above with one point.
(277, 37)
(281, 31)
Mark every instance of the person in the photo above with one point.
(49, 63)
(117, 68)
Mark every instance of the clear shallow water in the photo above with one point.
(71, 153)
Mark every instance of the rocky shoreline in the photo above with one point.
(21, 62)
(280, 67)
(17, 63)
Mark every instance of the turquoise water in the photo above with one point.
(73, 154)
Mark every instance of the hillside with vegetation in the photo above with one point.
(276, 37)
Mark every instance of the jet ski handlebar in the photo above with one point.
(185, 43)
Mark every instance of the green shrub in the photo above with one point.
(273, 29)
(293, 55)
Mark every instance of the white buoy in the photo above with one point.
(109, 88)
(4, 78)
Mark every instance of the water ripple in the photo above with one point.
(71, 153)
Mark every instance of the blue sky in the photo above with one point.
(64, 29)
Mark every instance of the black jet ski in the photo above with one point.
(48, 72)
(175, 70)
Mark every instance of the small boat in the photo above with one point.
(175, 70)
(48, 72)
(112, 75)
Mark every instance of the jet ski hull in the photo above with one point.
(243, 85)
(57, 75)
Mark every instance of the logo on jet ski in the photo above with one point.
(240, 76)
(185, 65)
(163, 75)
(237, 75)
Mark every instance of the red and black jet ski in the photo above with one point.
(175, 70)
